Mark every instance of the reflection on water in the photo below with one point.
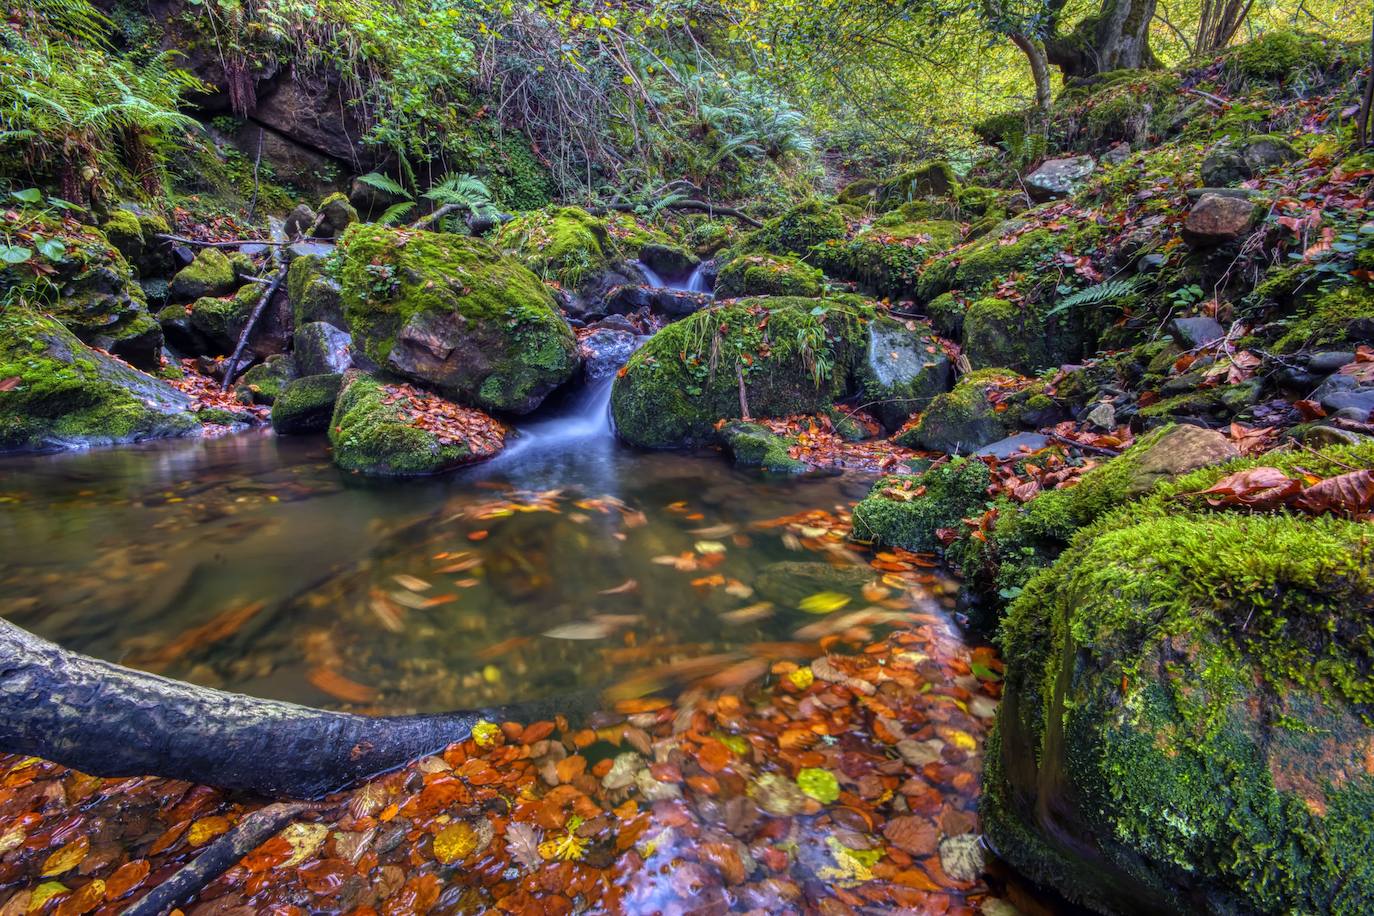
(250, 563)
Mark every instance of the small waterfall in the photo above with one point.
(696, 283)
(651, 277)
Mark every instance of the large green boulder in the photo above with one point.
(566, 244)
(219, 322)
(767, 275)
(1002, 333)
(1185, 722)
(55, 392)
(210, 274)
(754, 446)
(313, 293)
(263, 383)
(926, 179)
(796, 232)
(780, 356)
(375, 431)
(985, 263)
(306, 404)
(965, 419)
(887, 258)
(904, 367)
(451, 312)
(138, 237)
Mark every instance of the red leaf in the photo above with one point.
(1347, 494)
(1256, 488)
(10, 383)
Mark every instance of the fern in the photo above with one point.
(396, 212)
(465, 192)
(1095, 295)
(384, 183)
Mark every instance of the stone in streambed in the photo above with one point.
(306, 405)
(210, 274)
(322, 349)
(755, 446)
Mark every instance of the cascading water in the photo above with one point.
(695, 282)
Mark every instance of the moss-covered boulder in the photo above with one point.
(1002, 333)
(667, 259)
(781, 356)
(796, 232)
(452, 313)
(218, 322)
(887, 258)
(210, 274)
(967, 418)
(1185, 718)
(1279, 55)
(376, 432)
(910, 510)
(56, 393)
(137, 236)
(985, 263)
(754, 446)
(926, 179)
(566, 244)
(902, 370)
(263, 383)
(306, 405)
(1338, 320)
(314, 294)
(335, 216)
(767, 275)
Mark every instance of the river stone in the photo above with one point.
(1192, 333)
(299, 221)
(1117, 154)
(59, 394)
(1058, 178)
(960, 421)
(754, 446)
(1216, 219)
(263, 383)
(1329, 361)
(1339, 392)
(1011, 446)
(314, 295)
(1263, 153)
(322, 349)
(788, 582)
(454, 314)
(336, 215)
(903, 369)
(306, 404)
(605, 350)
(1179, 450)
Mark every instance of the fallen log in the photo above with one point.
(107, 720)
(231, 369)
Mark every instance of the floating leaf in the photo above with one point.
(485, 734)
(206, 829)
(819, 784)
(961, 857)
(305, 840)
(778, 795)
(43, 893)
(586, 629)
(802, 678)
(852, 866)
(823, 602)
(66, 858)
(457, 841)
(522, 842)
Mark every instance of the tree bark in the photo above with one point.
(1034, 49)
(1117, 38)
(107, 720)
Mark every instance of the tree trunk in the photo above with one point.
(1117, 38)
(1034, 50)
(107, 720)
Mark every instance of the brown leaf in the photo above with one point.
(917, 836)
(1347, 494)
(1256, 488)
(11, 383)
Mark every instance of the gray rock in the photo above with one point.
(1179, 451)
(298, 221)
(605, 350)
(1340, 392)
(1013, 445)
(1103, 416)
(1217, 219)
(1261, 154)
(1117, 154)
(1223, 166)
(1196, 194)
(1058, 178)
(1329, 361)
(903, 370)
(1200, 331)
(322, 349)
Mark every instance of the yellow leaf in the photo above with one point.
(455, 842)
(206, 829)
(66, 858)
(823, 602)
(706, 547)
(12, 839)
(45, 892)
(485, 733)
(305, 840)
(802, 678)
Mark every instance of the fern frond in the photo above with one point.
(384, 183)
(1103, 292)
(396, 212)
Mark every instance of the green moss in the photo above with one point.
(221, 321)
(767, 275)
(796, 232)
(946, 313)
(1276, 56)
(69, 395)
(504, 344)
(306, 404)
(336, 215)
(566, 244)
(963, 420)
(125, 233)
(754, 446)
(983, 263)
(1001, 333)
(263, 383)
(210, 274)
(887, 258)
(907, 511)
(1334, 320)
(315, 295)
(374, 438)
(928, 179)
(795, 356)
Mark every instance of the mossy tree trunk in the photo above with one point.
(1116, 38)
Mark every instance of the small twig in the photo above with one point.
(1093, 449)
(218, 858)
(1207, 96)
(257, 163)
(232, 367)
(434, 217)
(743, 402)
(233, 243)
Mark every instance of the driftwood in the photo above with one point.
(107, 720)
(230, 243)
(217, 858)
(698, 206)
(231, 369)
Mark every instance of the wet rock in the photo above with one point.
(962, 420)
(1329, 361)
(1194, 333)
(299, 221)
(263, 383)
(1058, 178)
(753, 446)
(313, 111)
(322, 349)
(605, 350)
(306, 405)
(903, 369)
(1339, 392)
(336, 215)
(1013, 445)
(1103, 416)
(314, 294)
(66, 395)
(670, 303)
(669, 261)
(1217, 219)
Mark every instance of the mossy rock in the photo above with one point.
(210, 274)
(795, 232)
(1187, 698)
(964, 420)
(306, 405)
(566, 244)
(220, 321)
(984, 263)
(137, 236)
(452, 313)
(768, 275)
(1338, 320)
(70, 396)
(755, 446)
(908, 511)
(946, 315)
(1278, 56)
(887, 258)
(1002, 333)
(336, 214)
(903, 369)
(374, 437)
(263, 383)
(794, 355)
(314, 293)
(667, 259)
(927, 179)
